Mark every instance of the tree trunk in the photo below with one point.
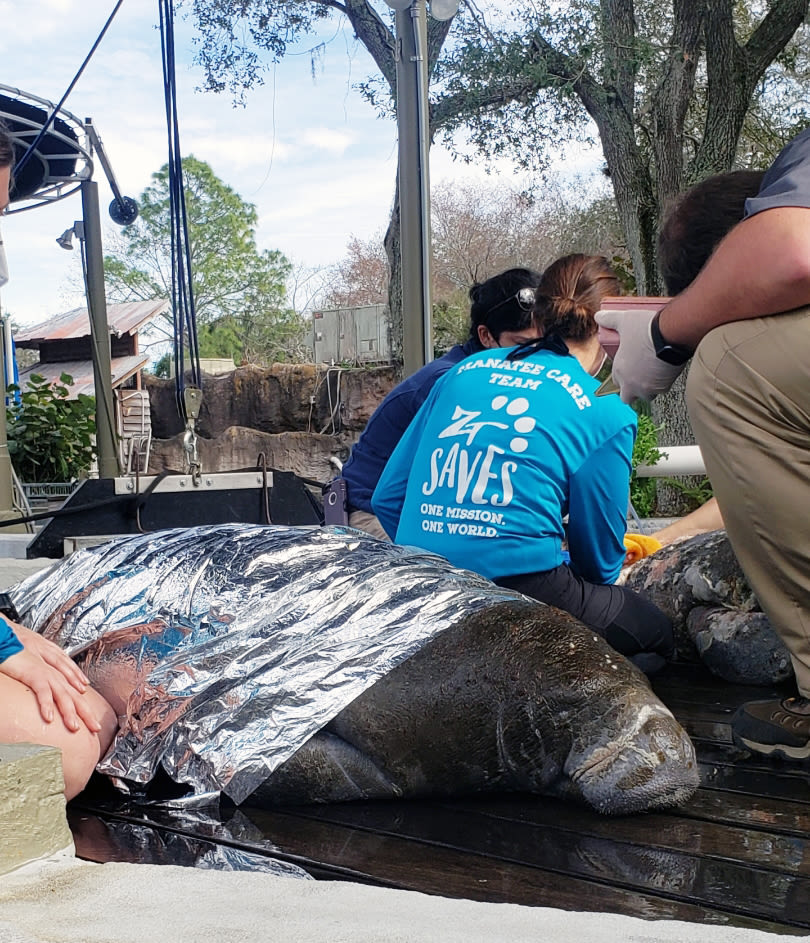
(392, 250)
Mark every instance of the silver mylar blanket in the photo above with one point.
(244, 640)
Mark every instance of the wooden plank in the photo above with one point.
(108, 837)
(399, 862)
(692, 683)
(755, 782)
(714, 882)
(771, 816)
(669, 830)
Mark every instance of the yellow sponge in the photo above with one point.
(639, 546)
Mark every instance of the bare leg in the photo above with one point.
(706, 518)
(21, 722)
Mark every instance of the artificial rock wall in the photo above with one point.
(297, 415)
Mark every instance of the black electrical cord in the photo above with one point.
(183, 311)
(43, 130)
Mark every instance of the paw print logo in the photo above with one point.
(522, 424)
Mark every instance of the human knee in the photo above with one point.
(661, 635)
(21, 722)
(82, 750)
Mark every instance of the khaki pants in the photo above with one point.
(362, 520)
(748, 395)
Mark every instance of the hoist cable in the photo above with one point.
(183, 312)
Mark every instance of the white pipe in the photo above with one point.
(675, 460)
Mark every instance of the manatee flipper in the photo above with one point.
(325, 769)
(740, 647)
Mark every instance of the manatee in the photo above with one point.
(293, 665)
(520, 698)
(699, 584)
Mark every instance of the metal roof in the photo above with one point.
(82, 372)
(123, 318)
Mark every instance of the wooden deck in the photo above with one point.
(737, 854)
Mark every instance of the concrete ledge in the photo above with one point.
(75, 902)
(33, 823)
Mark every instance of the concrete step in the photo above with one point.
(33, 823)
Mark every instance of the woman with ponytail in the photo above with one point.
(509, 443)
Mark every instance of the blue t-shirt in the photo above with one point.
(388, 423)
(9, 643)
(499, 453)
(787, 181)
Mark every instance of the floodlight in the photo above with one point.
(443, 9)
(65, 241)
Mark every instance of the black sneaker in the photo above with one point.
(780, 728)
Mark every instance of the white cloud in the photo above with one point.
(312, 156)
(326, 139)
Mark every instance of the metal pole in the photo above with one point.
(108, 466)
(414, 185)
(7, 510)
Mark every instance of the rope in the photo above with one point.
(43, 130)
(184, 316)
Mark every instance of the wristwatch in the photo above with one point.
(676, 354)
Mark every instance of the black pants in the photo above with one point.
(628, 622)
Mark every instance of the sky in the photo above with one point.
(306, 149)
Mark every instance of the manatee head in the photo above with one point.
(617, 747)
(646, 762)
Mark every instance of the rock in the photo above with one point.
(716, 617)
(305, 454)
(741, 647)
(276, 399)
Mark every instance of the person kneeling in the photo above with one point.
(508, 443)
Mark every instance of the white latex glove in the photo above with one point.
(638, 373)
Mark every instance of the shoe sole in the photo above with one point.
(774, 749)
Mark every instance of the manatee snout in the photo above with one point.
(649, 764)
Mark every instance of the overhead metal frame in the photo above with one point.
(66, 141)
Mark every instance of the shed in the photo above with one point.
(64, 344)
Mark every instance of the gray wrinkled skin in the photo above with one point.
(520, 697)
(716, 617)
(302, 665)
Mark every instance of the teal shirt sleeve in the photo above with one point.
(597, 514)
(389, 495)
(9, 643)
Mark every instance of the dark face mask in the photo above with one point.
(552, 342)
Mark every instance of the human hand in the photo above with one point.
(637, 371)
(53, 655)
(57, 683)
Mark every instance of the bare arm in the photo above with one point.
(57, 683)
(762, 267)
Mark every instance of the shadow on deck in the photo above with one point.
(737, 854)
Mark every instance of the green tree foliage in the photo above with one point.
(645, 452)
(479, 230)
(50, 437)
(239, 290)
(675, 89)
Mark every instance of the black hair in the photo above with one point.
(494, 303)
(698, 220)
(6, 147)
